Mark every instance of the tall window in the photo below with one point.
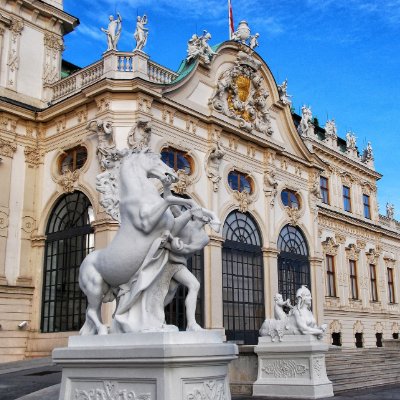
(330, 276)
(346, 199)
(69, 238)
(293, 263)
(372, 275)
(390, 285)
(367, 208)
(324, 189)
(353, 279)
(242, 278)
(176, 159)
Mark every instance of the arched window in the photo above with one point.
(239, 181)
(293, 263)
(177, 159)
(69, 238)
(242, 278)
(175, 312)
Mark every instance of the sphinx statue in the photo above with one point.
(299, 321)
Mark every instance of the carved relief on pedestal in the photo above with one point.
(330, 247)
(213, 163)
(241, 94)
(16, 27)
(208, 390)
(139, 135)
(285, 369)
(109, 390)
(7, 149)
(54, 45)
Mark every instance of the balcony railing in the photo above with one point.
(117, 65)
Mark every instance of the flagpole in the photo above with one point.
(230, 20)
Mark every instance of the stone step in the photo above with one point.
(371, 374)
(358, 364)
(340, 387)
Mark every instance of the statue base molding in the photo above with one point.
(292, 368)
(146, 366)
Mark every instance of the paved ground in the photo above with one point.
(39, 380)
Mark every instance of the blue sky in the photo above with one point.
(341, 57)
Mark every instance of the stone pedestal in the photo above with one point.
(146, 366)
(293, 368)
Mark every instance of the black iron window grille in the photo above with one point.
(242, 279)
(69, 238)
(293, 263)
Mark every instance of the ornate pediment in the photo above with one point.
(241, 94)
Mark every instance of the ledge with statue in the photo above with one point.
(291, 354)
(141, 357)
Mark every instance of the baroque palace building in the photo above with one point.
(298, 204)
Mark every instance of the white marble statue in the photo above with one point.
(198, 47)
(305, 126)
(242, 34)
(350, 140)
(113, 32)
(331, 129)
(390, 211)
(253, 41)
(368, 154)
(143, 265)
(141, 32)
(283, 95)
(299, 321)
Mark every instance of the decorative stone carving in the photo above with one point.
(7, 149)
(82, 115)
(242, 35)
(340, 239)
(103, 104)
(351, 141)
(144, 104)
(315, 188)
(285, 369)
(368, 154)
(390, 211)
(358, 327)
(270, 185)
(54, 45)
(141, 33)
(113, 32)
(330, 247)
(395, 327)
(3, 220)
(335, 326)
(306, 127)
(253, 41)
(284, 97)
(213, 164)
(184, 180)
(241, 95)
(106, 144)
(331, 129)
(109, 390)
(191, 126)
(299, 321)
(372, 256)
(28, 224)
(33, 155)
(208, 390)
(61, 124)
(293, 215)
(140, 134)
(16, 27)
(352, 252)
(243, 199)
(198, 47)
(361, 244)
(144, 276)
(68, 180)
(168, 116)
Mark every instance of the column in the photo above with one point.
(270, 260)
(317, 288)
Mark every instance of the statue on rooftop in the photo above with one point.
(390, 211)
(113, 32)
(198, 47)
(253, 41)
(299, 320)
(331, 129)
(283, 95)
(351, 141)
(305, 126)
(141, 33)
(368, 154)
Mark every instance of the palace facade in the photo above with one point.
(298, 204)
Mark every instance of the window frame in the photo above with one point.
(367, 206)
(289, 203)
(353, 279)
(373, 283)
(324, 189)
(176, 153)
(239, 176)
(346, 198)
(330, 276)
(390, 281)
(73, 152)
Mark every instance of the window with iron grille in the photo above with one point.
(346, 199)
(177, 159)
(293, 263)
(239, 181)
(69, 238)
(242, 278)
(367, 208)
(372, 276)
(391, 296)
(324, 189)
(330, 276)
(353, 280)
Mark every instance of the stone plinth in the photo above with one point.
(146, 366)
(293, 368)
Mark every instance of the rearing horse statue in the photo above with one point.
(146, 260)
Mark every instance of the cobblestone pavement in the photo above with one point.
(39, 380)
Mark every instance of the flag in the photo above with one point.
(230, 15)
